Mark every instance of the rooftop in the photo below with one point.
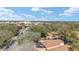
(50, 43)
(53, 33)
(54, 45)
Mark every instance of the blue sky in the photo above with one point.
(40, 14)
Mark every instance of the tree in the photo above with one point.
(43, 34)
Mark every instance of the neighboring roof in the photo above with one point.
(51, 43)
(53, 33)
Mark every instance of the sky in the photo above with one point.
(39, 13)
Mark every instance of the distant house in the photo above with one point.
(51, 45)
(53, 35)
(77, 34)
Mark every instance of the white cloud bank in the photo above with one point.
(70, 11)
(41, 9)
(28, 16)
(8, 14)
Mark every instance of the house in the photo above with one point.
(77, 34)
(53, 35)
(52, 45)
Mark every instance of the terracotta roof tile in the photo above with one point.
(51, 43)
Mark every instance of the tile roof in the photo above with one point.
(51, 43)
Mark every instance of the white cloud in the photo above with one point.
(41, 9)
(46, 11)
(70, 11)
(28, 16)
(35, 9)
(8, 14)
(6, 10)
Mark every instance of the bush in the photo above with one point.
(33, 36)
